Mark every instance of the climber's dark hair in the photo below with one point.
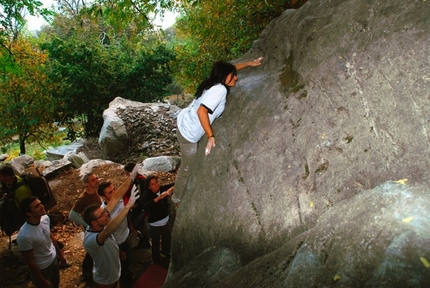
(219, 73)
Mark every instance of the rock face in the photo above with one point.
(380, 244)
(339, 106)
(146, 128)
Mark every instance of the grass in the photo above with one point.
(35, 150)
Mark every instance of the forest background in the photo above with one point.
(92, 51)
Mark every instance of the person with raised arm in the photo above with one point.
(100, 243)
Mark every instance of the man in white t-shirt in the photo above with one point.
(38, 246)
(100, 243)
(106, 190)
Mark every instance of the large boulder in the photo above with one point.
(135, 127)
(376, 239)
(113, 136)
(339, 106)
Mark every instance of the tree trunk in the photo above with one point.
(22, 145)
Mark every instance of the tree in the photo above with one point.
(115, 17)
(93, 70)
(147, 74)
(12, 20)
(26, 105)
(96, 53)
(219, 30)
(86, 75)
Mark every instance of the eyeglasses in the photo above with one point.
(101, 215)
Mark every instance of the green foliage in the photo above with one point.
(26, 105)
(35, 149)
(85, 74)
(99, 50)
(147, 76)
(93, 65)
(12, 13)
(220, 30)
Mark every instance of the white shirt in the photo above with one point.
(107, 266)
(37, 238)
(121, 233)
(188, 122)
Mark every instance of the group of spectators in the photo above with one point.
(108, 216)
(140, 205)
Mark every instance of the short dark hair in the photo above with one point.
(102, 187)
(149, 178)
(6, 170)
(85, 178)
(24, 205)
(129, 166)
(88, 213)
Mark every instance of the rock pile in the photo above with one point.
(135, 130)
(150, 133)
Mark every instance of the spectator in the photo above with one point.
(85, 199)
(138, 216)
(196, 120)
(139, 181)
(38, 246)
(14, 184)
(156, 203)
(107, 191)
(101, 244)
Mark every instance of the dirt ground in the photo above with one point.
(66, 187)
